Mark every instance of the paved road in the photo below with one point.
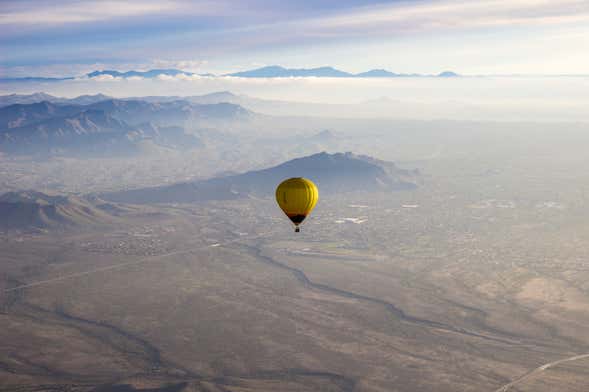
(538, 370)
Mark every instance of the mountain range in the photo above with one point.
(28, 210)
(272, 71)
(333, 173)
(107, 127)
(382, 107)
(276, 71)
(11, 99)
(206, 99)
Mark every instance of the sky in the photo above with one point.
(473, 37)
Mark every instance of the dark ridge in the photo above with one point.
(333, 173)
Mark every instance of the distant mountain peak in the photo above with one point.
(40, 96)
(224, 92)
(273, 68)
(276, 71)
(376, 73)
(6, 100)
(219, 95)
(95, 96)
(448, 74)
(325, 134)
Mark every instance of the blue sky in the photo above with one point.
(50, 38)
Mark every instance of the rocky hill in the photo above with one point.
(28, 210)
(340, 172)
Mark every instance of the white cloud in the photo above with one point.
(405, 18)
(445, 14)
(47, 13)
(180, 77)
(106, 78)
(166, 77)
(188, 77)
(185, 65)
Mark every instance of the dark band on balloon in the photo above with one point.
(296, 219)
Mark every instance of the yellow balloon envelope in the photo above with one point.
(297, 198)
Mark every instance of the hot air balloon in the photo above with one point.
(297, 198)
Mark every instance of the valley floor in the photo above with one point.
(445, 295)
